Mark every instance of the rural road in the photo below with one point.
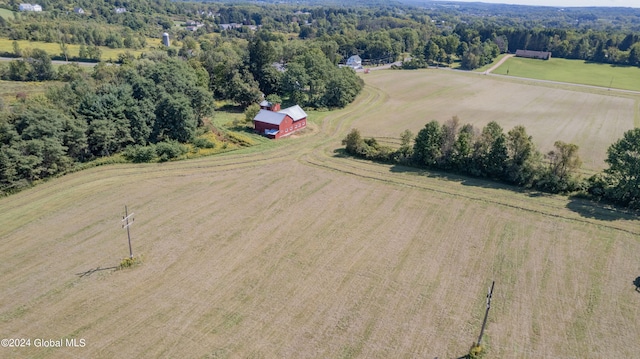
(381, 67)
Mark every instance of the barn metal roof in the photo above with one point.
(266, 116)
(295, 112)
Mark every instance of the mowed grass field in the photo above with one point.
(573, 71)
(298, 252)
(6, 45)
(7, 14)
(593, 119)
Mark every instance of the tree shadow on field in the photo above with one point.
(233, 108)
(341, 153)
(94, 270)
(604, 212)
(465, 180)
(636, 282)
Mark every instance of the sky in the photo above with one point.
(565, 3)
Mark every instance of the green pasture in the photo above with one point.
(7, 14)
(573, 71)
(9, 89)
(6, 45)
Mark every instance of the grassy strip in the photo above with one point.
(573, 71)
(6, 45)
(7, 14)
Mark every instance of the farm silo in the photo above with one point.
(165, 39)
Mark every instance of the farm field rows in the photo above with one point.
(590, 118)
(298, 252)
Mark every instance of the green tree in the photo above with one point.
(175, 119)
(523, 162)
(623, 173)
(449, 135)
(251, 112)
(16, 48)
(19, 70)
(490, 152)
(428, 144)
(463, 148)
(564, 160)
(41, 67)
(560, 176)
(353, 142)
(405, 152)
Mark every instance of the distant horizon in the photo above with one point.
(561, 3)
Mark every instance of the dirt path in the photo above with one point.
(502, 60)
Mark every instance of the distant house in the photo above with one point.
(279, 66)
(30, 7)
(78, 10)
(233, 25)
(543, 55)
(275, 123)
(354, 62)
(120, 10)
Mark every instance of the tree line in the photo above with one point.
(472, 34)
(145, 103)
(510, 158)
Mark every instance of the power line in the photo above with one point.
(126, 225)
(486, 313)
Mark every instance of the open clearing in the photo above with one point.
(297, 252)
(7, 14)
(573, 71)
(9, 89)
(53, 49)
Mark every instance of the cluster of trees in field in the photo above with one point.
(511, 158)
(241, 70)
(147, 102)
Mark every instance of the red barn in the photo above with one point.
(280, 124)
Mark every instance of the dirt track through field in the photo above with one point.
(299, 252)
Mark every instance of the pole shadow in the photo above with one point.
(94, 270)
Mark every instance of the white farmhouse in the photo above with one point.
(354, 62)
(29, 7)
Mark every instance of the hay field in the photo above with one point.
(592, 119)
(297, 252)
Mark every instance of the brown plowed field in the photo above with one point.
(298, 252)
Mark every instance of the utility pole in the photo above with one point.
(486, 314)
(126, 225)
(610, 83)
